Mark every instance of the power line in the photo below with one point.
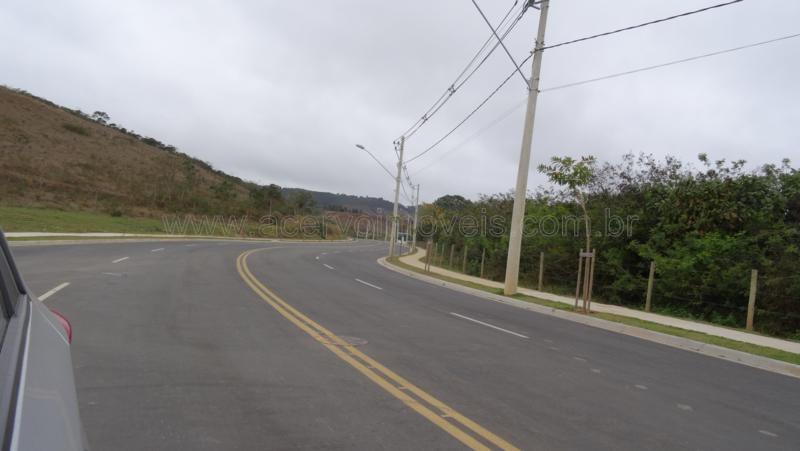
(458, 82)
(428, 149)
(461, 74)
(480, 105)
(453, 88)
(481, 131)
(670, 63)
(405, 194)
(500, 41)
(633, 27)
(579, 83)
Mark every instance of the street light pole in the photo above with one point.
(395, 217)
(518, 214)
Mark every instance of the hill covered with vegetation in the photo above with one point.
(58, 158)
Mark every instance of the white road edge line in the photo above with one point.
(489, 325)
(369, 284)
(120, 259)
(327, 266)
(53, 291)
(158, 250)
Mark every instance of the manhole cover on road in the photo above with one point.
(351, 341)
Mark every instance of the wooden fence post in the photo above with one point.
(541, 269)
(751, 303)
(591, 281)
(483, 259)
(464, 263)
(648, 301)
(452, 254)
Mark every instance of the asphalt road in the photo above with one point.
(177, 347)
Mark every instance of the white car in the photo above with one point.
(38, 402)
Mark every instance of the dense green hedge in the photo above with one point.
(706, 227)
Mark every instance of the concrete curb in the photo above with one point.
(755, 361)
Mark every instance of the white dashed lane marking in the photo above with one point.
(327, 266)
(369, 284)
(120, 259)
(158, 250)
(489, 325)
(53, 291)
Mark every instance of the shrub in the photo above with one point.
(76, 129)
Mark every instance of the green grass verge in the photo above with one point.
(19, 219)
(749, 348)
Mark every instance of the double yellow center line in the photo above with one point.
(462, 428)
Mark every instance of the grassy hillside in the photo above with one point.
(59, 159)
(53, 157)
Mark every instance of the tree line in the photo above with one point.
(705, 226)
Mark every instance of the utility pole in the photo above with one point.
(416, 216)
(518, 214)
(393, 238)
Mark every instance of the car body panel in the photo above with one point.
(37, 390)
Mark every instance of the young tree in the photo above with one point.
(101, 117)
(574, 176)
(301, 201)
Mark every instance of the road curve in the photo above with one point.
(177, 346)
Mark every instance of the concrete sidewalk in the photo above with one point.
(733, 334)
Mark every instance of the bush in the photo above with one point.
(77, 129)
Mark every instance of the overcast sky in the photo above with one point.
(280, 92)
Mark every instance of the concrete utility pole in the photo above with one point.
(416, 216)
(518, 215)
(395, 217)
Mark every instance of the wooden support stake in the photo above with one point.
(578, 283)
(751, 303)
(483, 259)
(591, 281)
(541, 269)
(464, 262)
(648, 301)
(452, 254)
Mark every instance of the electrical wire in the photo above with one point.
(461, 74)
(458, 83)
(500, 41)
(475, 110)
(633, 27)
(670, 63)
(583, 82)
(480, 131)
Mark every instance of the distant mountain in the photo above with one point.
(347, 202)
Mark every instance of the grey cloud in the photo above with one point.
(281, 91)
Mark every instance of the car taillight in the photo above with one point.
(64, 323)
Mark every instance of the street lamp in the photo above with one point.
(396, 178)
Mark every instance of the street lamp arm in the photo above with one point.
(376, 160)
